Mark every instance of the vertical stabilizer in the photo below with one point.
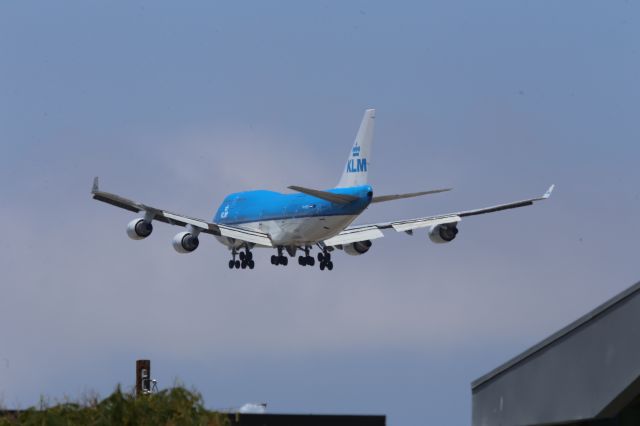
(357, 167)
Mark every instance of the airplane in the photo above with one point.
(299, 221)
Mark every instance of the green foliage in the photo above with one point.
(172, 407)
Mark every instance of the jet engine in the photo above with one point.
(443, 233)
(185, 242)
(138, 229)
(358, 248)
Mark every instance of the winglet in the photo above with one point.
(95, 188)
(548, 193)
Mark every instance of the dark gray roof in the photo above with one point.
(558, 335)
(585, 370)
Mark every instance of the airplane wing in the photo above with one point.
(372, 231)
(181, 220)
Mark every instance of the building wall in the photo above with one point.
(588, 372)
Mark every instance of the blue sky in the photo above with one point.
(178, 104)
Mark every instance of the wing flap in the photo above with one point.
(410, 225)
(245, 235)
(353, 235)
(180, 220)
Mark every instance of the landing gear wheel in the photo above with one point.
(234, 263)
(243, 256)
(322, 266)
(278, 259)
(310, 261)
(320, 257)
(301, 261)
(243, 264)
(330, 265)
(251, 264)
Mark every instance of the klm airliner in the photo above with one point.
(298, 222)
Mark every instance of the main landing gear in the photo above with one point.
(280, 259)
(246, 260)
(306, 260)
(324, 259)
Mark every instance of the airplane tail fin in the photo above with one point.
(357, 167)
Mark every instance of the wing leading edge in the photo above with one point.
(372, 231)
(153, 213)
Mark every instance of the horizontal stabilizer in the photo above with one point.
(382, 198)
(324, 195)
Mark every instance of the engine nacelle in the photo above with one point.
(138, 229)
(185, 242)
(358, 248)
(444, 233)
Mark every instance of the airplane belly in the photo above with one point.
(302, 230)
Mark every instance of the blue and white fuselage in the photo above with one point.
(292, 219)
